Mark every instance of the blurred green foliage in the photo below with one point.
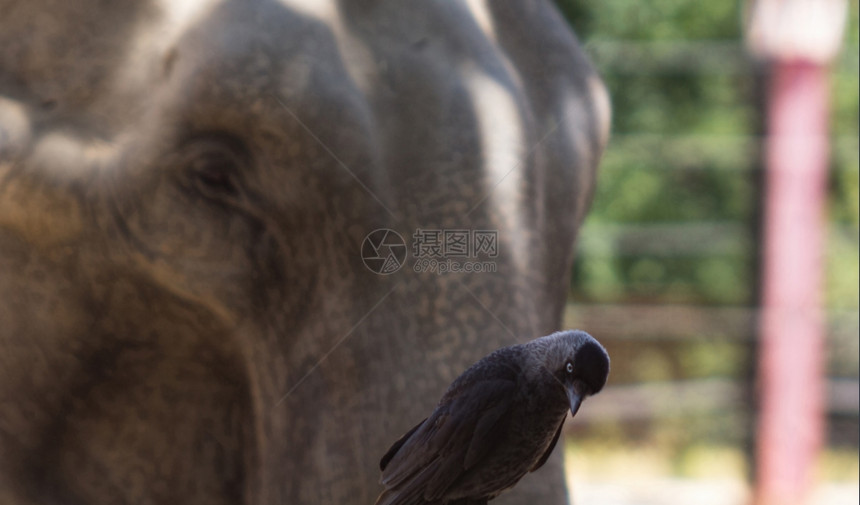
(687, 124)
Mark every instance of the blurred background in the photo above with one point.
(668, 272)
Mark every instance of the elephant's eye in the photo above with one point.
(213, 166)
(569, 367)
(212, 176)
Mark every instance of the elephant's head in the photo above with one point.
(185, 190)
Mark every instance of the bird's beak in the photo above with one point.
(575, 395)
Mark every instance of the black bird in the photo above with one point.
(498, 421)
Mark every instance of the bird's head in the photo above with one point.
(576, 360)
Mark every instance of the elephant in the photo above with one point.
(188, 309)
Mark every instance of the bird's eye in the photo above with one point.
(569, 367)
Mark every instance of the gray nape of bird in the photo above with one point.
(498, 421)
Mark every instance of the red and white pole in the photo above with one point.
(797, 38)
(792, 326)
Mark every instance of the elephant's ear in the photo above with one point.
(397, 445)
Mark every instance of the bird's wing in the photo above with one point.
(549, 448)
(458, 434)
(397, 445)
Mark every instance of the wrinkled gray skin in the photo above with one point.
(184, 313)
